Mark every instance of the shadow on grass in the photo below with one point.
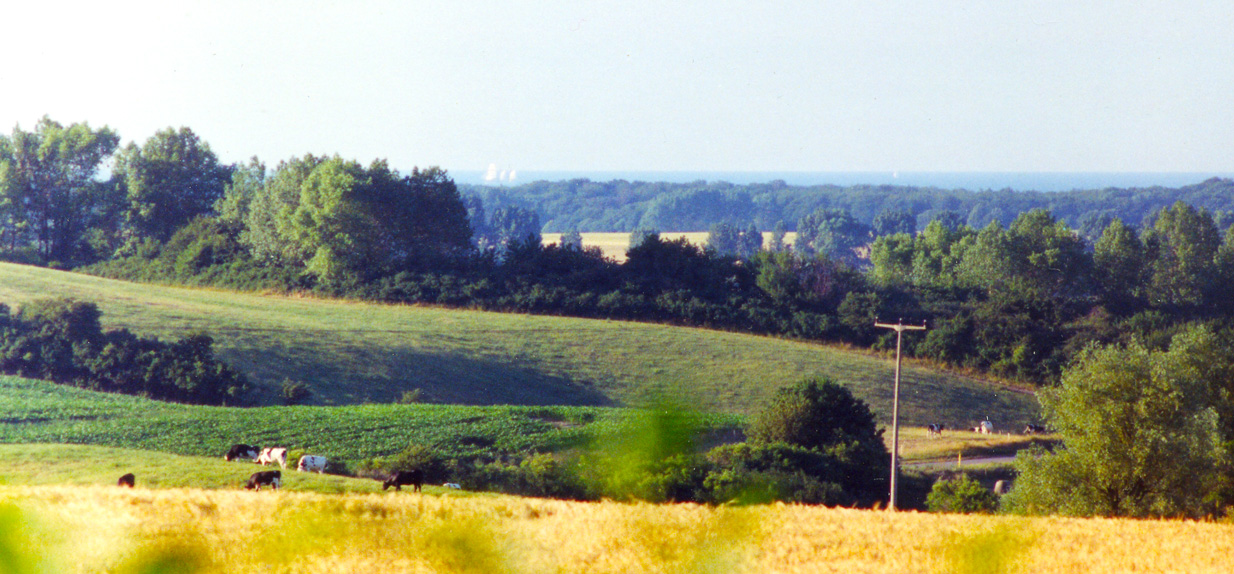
(341, 375)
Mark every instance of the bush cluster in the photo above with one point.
(61, 340)
(653, 458)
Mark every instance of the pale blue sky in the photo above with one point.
(731, 86)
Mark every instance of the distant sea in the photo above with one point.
(976, 181)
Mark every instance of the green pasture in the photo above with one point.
(43, 412)
(354, 353)
(38, 464)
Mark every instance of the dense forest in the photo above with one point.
(1011, 284)
(623, 205)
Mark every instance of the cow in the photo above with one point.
(127, 480)
(1002, 487)
(985, 427)
(453, 486)
(1034, 429)
(241, 451)
(397, 479)
(271, 478)
(273, 454)
(935, 429)
(309, 463)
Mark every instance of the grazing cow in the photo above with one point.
(935, 429)
(1002, 487)
(241, 451)
(127, 480)
(310, 463)
(1034, 429)
(273, 454)
(453, 486)
(413, 477)
(271, 478)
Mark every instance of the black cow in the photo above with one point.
(127, 480)
(935, 429)
(271, 478)
(1034, 429)
(413, 477)
(241, 451)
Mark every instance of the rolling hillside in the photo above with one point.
(355, 353)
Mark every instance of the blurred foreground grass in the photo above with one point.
(89, 529)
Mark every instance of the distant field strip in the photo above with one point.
(353, 353)
(614, 245)
(113, 529)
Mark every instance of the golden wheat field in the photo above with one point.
(106, 529)
(614, 245)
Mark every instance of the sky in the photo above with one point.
(1022, 86)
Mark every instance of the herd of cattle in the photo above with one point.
(984, 427)
(308, 463)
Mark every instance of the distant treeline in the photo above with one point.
(1008, 286)
(593, 206)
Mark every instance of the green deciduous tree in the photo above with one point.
(730, 239)
(892, 221)
(345, 224)
(1035, 252)
(1141, 436)
(824, 417)
(1118, 264)
(1180, 248)
(171, 179)
(832, 232)
(48, 187)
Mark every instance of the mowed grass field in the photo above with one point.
(89, 529)
(355, 353)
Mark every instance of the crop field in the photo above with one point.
(614, 245)
(355, 353)
(90, 529)
(42, 412)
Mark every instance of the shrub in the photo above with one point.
(295, 392)
(961, 495)
(817, 414)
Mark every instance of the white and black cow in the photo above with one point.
(273, 454)
(404, 477)
(271, 478)
(310, 463)
(935, 430)
(244, 451)
(1034, 429)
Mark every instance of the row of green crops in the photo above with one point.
(42, 412)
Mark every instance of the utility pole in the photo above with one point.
(899, 327)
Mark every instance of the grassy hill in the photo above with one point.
(354, 353)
